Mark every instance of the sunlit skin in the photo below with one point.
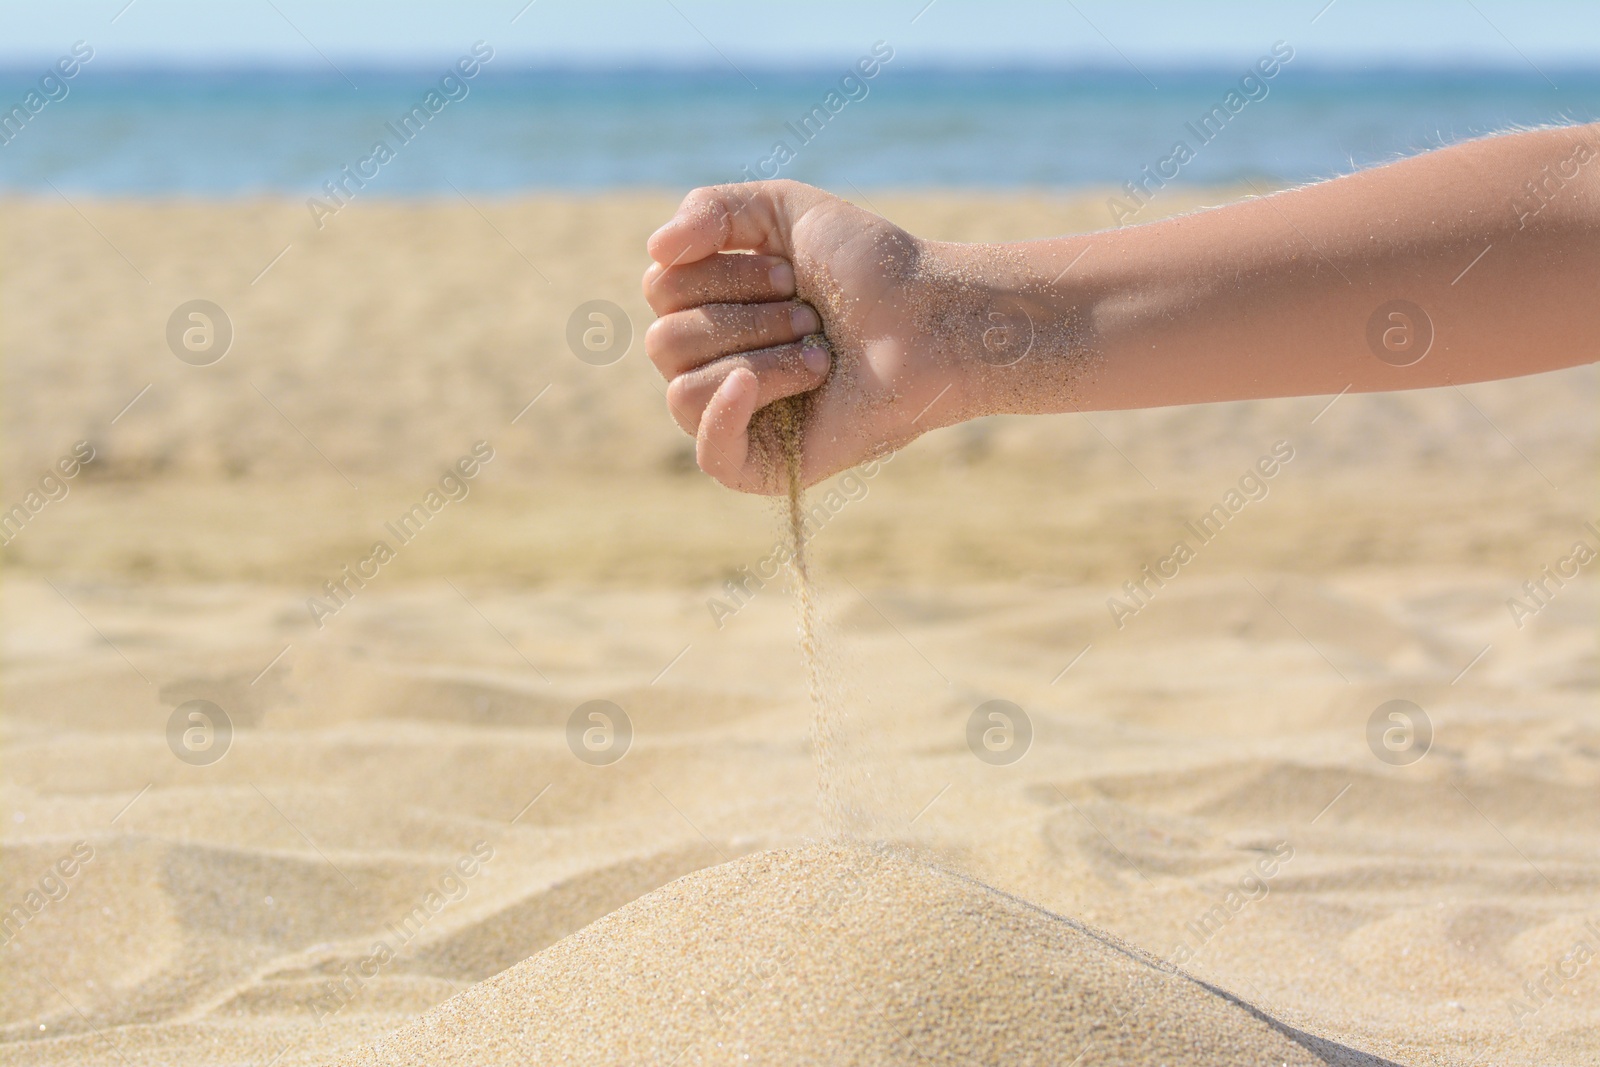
(1496, 240)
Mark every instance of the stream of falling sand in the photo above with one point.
(789, 415)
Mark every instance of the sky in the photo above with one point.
(761, 32)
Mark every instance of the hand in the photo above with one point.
(732, 334)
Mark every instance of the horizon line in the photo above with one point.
(633, 65)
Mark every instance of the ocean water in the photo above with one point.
(236, 133)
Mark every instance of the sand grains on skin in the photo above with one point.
(841, 954)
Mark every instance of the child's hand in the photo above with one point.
(1288, 295)
(730, 337)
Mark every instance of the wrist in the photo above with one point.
(1009, 323)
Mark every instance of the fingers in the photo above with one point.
(684, 340)
(730, 279)
(723, 443)
(775, 373)
(713, 304)
(755, 216)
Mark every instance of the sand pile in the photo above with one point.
(838, 954)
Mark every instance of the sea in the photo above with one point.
(511, 128)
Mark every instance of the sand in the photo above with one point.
(789, 418)
(1427, 915)
(824, 685)
(841, 955)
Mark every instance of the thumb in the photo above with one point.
(722, 444)
(745, 216)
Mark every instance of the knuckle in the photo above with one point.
(677, 332)
(702, 196)
(658, 338)
(686, 424)
(669, 293)
(681, 401)
(658, 288)
(675, 394)
(713, 200)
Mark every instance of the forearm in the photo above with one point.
(1292, 294)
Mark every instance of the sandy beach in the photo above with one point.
(1204, 832)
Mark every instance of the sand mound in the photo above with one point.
(843, 955)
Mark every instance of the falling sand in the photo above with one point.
(788, 421)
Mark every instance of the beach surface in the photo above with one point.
(1205, 820)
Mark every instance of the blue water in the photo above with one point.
(289, 131)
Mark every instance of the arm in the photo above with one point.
(1273, 296)
(1492, 246)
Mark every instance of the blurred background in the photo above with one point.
(282, 266)
(249, 99)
